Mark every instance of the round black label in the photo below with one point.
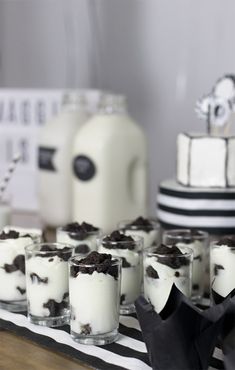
(83, 167)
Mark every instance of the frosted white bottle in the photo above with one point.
(54, 160)
(109, 167)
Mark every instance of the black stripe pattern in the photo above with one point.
(115, 348)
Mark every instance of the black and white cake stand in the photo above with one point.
(209, 209)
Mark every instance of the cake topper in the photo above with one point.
(218, 107)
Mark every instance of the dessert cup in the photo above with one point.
(12, 270)
(94, 289)
(163, 267)
(198, 241)
(81, 236)
(148, 229)
(129, 249)
(47, 283)
(222, 268)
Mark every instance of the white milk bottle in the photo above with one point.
(54, 160)
(109, 167)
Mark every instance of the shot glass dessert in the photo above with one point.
(82, 236)
(129, 249)
(163, 267)
(148, 229)
(222, 268)
(94, 290)
(47, 283)
(12, 270)
(198, 241)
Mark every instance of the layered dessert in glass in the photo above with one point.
(47, 283)
(94, 290)
(222, 268)
(82, 236)
(198, 241)
(148, 229)
(12, 270)
(129, 249)
(163, 267)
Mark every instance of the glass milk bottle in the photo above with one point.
(54, 160)
(109, 167)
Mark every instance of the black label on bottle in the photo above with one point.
(45, 158)
(84, 169)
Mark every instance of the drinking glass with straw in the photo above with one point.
(5, 210)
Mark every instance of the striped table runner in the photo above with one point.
(129, 352)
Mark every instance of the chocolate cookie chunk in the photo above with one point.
(79, 231)
(18, 264)
(63, 253)
(117, 240)
(151, 272)
(125, 264)
(37, 279)
(172, 256)
(140, 223)
(12, 234)
(199, 258)
(21, 290)
(86, 329)
(55, 308)
(82, 249)
(99, 262)
(217, 268)
(227, 240)
(122, 298)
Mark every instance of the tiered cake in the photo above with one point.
(203, 194)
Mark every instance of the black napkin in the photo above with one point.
(182, 337)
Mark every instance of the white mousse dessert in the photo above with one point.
(129, 250)
(198, 241)
(47, 280)
(94, 289)
(143, 227)
(163, 267)
(222, 268)
(12, 268)
(82, 236)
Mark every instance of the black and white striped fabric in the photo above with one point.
(129, 352)
(212, 210)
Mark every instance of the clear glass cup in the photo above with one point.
(162, 270)
(222, 268)
(132, 268)
(149, 230)
(47, 283)
(12, 271)
(94, 301)
(83, 244)
(198, 241)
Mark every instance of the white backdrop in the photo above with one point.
(162, 54)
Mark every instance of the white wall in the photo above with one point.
(162, 54)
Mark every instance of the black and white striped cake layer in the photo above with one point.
(207, 209)
(128, 353)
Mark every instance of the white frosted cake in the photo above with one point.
(203, 194)
(205, 160)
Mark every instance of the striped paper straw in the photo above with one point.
(8, 175)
